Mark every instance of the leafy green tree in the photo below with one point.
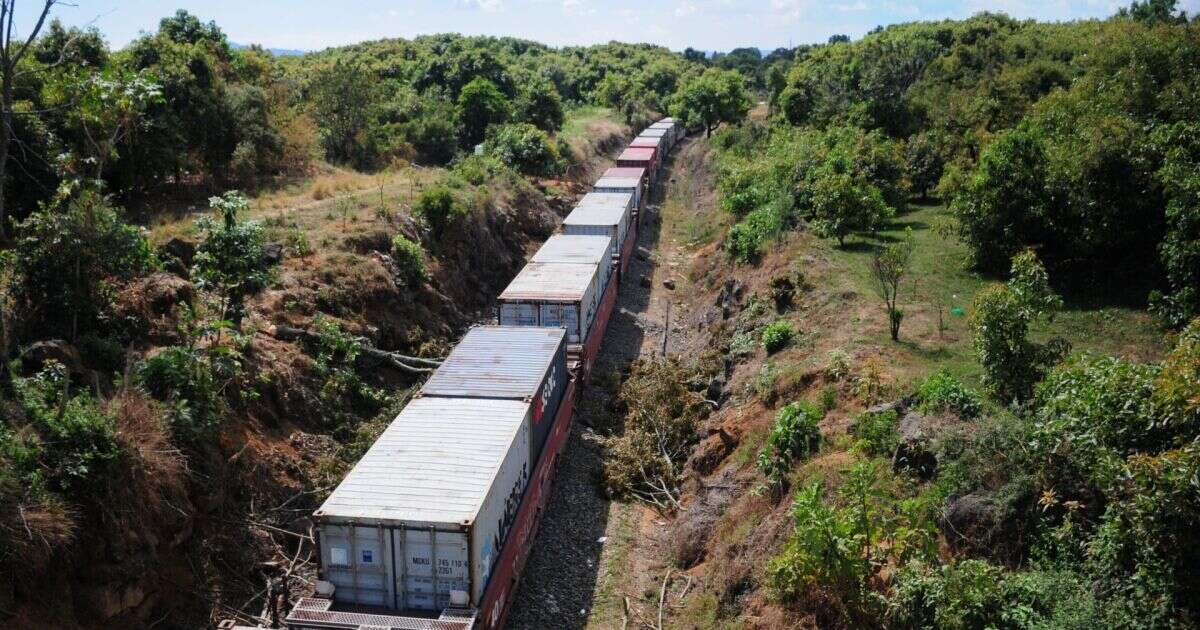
(342, 97)
(924, 162)
(1000, 320)
(1005, 205)
(1180, 247)
(715, 97)
(1154, 12)
(480, 105)
(843, 204)
(525, 148)
(69, 261)
(231, 260)
(540, 105)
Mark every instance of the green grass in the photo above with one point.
(938, 277)
(575, 126)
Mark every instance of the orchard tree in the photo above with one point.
(1000, 320)
(888, 268)
(342, 97)
(480, 104)
(924, 162)
(715, 97)
(1180, 248)
(843, 203)
(540, 105)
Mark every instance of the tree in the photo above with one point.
(888, 267)
(342, 96)
(11, 53)
(924, 162)
(231, 260)
(106, 109)
(1179, 250)
(540, 105)
(843, 204)
(480, 104)
(1154, 12)
(714, 97)
(525, 148)
(1000, 320)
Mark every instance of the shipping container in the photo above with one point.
(508, 362)
(624, 180)
(419, 522)
(635, 157)
(558, 295)
(669, 128)
(580, 249)
(608, 214)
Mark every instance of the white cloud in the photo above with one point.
(487, 6)
(685, 8)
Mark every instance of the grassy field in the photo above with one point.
(939, 280)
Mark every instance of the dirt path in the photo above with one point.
(591, 551)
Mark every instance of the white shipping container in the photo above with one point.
(629, 185)
(558, 295)
(602, 213)
(580, 249)
(424, 514)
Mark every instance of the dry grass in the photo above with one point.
(33, 531)
(157, 468)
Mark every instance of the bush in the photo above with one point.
(746, 239)
(409, 259)
(187, 379)
(230, 259)
(941, 391)
(525, 148)
(345, 396)
(878, 432)
(440, 210)
(777, 335)
(796, 435)
(76, 447)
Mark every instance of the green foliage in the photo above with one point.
(341, 97)
(842, 204)
(68, 261)
(795, 436)
(941, 391)
(714, 97)
(1000, 320)
(541, 106)
(345, 395)
(231, 258)
(480, 105)
(74, 448)
(440, 210)
(878, 432)
(410, 260)
(525, 148)
(837, 549)
(190, 380)
(1180, 249)
(777, 335)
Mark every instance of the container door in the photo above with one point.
(357, 559)
(518, 314)
(433, 564)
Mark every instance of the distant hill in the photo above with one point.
(278, 52)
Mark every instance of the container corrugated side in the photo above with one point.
(449, 471)
(511, 362)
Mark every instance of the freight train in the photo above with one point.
(432, 527)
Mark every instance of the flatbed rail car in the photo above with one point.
(609, 214)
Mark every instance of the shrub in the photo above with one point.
(440, 210)
(878, 432)
(941, 391)
(231, 258)
(525, 148)
(745, 240)
(777, 335)
(409, 259)
(77, 444)
(743, 189)
(343, 392)
(794, 436)
(186, 378)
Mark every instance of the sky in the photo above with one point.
(677, 24)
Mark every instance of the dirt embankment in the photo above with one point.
(187, 539)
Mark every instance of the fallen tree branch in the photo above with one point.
(416, 365)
